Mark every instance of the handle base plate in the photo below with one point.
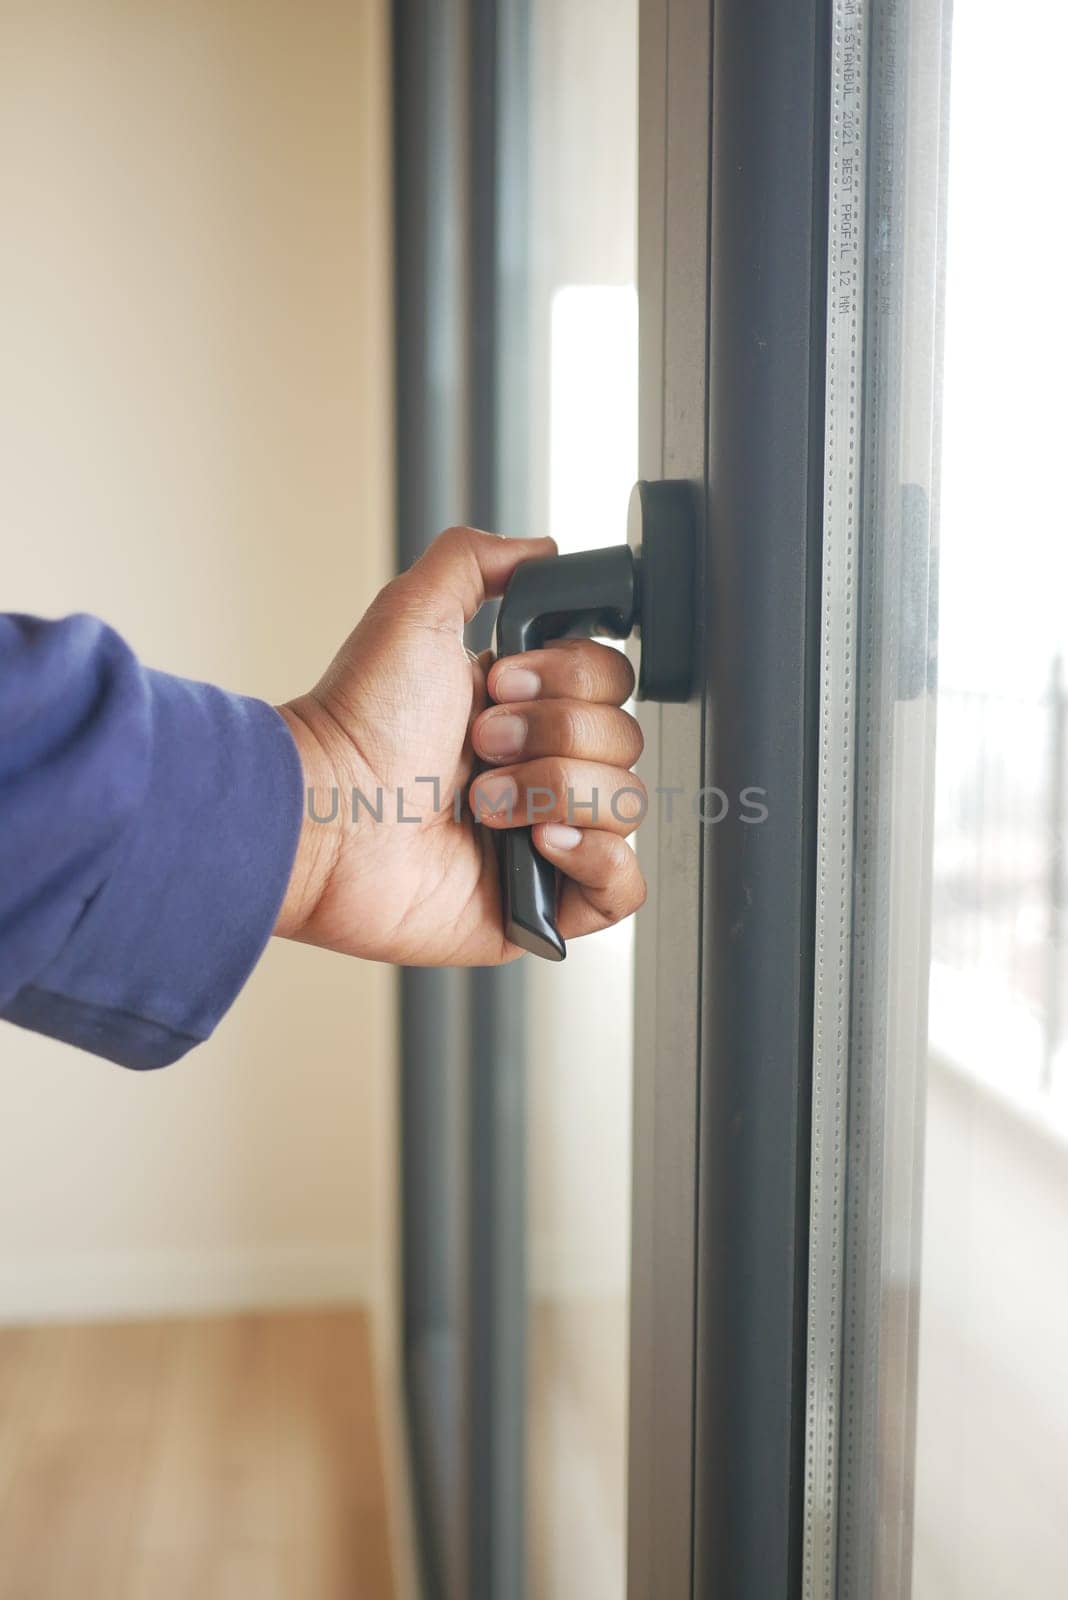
(660, 531)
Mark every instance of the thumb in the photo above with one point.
(464, 567)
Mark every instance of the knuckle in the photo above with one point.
(556, 777)
(570, 732)
(622, 677)
(618, 856)
(635, 735)
(626, 884)
(583, 678)
(393, 593)
(462, 544)
(631, 800)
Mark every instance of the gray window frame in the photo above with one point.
(732, 239)
(459, 78)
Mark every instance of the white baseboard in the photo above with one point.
(176, 1283)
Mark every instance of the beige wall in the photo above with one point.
(195, 444)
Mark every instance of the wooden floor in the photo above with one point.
(219, 1459)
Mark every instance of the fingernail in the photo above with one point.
(518, 683)
(492, 795)
(502, 735)
(560, 837)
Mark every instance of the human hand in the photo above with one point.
(407, 716)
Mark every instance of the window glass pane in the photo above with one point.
(938, 1350)
(991, 1508)
(580, 363)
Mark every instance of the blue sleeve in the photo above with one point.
(147, 831)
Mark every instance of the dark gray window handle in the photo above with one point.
(646, 584)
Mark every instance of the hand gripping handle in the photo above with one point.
(594, 593)
(600, 593)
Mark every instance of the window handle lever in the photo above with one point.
(646, 585)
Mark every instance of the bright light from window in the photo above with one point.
(593, 427)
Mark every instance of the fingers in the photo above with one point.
(558, 709)
(572, 728)
(571, 669)
(462, 568)
(603, 882)
(586, 794)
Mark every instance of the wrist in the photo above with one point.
(319, 843)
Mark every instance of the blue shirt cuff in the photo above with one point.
(166, 943)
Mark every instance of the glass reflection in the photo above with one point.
(992, 1419)
(582, 361)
